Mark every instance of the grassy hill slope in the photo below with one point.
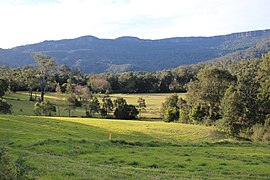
(77, 148)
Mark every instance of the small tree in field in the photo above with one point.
(170, 109)
(107, 106)
(58, 94)
(71, 102)
(45, 108)
(123, 110)
(141, 105)
(93, 107)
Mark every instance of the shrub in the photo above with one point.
(183, 116)
(45, 108)
(197, 113)
(260, 133)
(126, 112)
(5, 108)
(171, 114)
(266, 136)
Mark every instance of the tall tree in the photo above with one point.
(28, 77)
(209, 90)
(46, 68)
(240, 105)
(264, 90)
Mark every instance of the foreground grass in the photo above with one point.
(76, 148)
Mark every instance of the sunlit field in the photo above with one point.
(22, 106)
(80, 148)
(96, 148)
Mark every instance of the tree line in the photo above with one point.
(45, 74)
(237, 99)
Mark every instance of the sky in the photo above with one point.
(30, 21)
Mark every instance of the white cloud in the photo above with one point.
(30, 21)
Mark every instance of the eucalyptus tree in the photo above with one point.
(29, 78)
(46, 69)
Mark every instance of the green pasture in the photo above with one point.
(80, 148)
(22, 106)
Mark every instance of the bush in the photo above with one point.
(126, 112)
(44, 108)
(5, 108)
(183, 116)
(197, 113)
(171, 114)
(260, 133)
(3, 87)
(266, 136)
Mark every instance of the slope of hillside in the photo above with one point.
(94, 55)
(67, 148)
(261, 47)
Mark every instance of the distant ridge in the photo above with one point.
(127, 53)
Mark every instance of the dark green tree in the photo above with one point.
(171, 114)
(264, 89)
(3, 87)
(128, 82)
(5, 108)
(170, 109)
(197, 114)
(123, 110)
(209, 90)
(107, 106)
(240, 105)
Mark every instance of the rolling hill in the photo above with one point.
(94, 55)
(79, 148)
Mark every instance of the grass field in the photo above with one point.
(21, 105)
(79, 148)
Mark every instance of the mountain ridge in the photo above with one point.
(128, 53)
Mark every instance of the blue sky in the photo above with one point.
(31, 21)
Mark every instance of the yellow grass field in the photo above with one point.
(22, 106)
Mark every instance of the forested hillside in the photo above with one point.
(94, 55)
